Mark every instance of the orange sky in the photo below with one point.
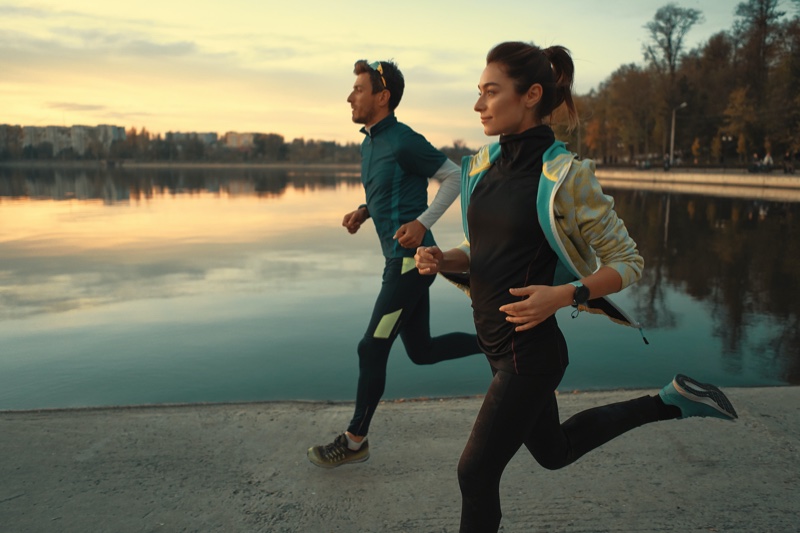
(287, 68)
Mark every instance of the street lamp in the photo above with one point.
(672, 135)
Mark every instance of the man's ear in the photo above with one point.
(383, 98)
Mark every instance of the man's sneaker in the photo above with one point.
(337, 453)
(697, 399)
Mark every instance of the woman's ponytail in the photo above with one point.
(552, 68)
(564, 73)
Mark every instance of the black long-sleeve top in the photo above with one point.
(508, 249)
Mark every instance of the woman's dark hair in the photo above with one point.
(393, 78)
(552, 68)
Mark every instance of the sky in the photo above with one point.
(283, 67)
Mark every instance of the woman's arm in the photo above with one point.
(601, 229)
(541, 301)
(432, 260)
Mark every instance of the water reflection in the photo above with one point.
(221, 285)
(116, 186)
(738, 257)
(167, 234)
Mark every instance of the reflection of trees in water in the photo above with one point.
(739, 257)
(118, 185)
(651, 307)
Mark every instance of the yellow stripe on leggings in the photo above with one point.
(409, 264)
(386, 325)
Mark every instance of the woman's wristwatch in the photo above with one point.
(581, 294)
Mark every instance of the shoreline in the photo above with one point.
(724, 176)
(301, 402)
(101, 165)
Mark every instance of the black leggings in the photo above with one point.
(402, 308)
(522, 409)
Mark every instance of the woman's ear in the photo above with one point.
(533, 96)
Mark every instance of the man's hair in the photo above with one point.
(395, 83)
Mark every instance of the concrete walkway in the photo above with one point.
(772, 187)
(242, 468)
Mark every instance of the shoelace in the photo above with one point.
(334, 450)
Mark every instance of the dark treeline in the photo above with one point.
(141, 145)
(732, 99)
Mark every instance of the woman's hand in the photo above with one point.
(429, 259)
(539, 303)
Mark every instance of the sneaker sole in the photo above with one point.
(704, 393)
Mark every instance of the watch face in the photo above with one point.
(581, 295)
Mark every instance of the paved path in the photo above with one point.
(242, 468)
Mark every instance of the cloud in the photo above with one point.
(106, 43)
(69, 106)
(19, 11)
(270, 53)
(145, 48)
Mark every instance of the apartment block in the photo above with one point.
(78, 138)
(206, 138)
(237, 140)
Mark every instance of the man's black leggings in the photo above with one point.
(402, 308)
(522, 409)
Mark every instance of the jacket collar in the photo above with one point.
(556, 160)
(385, 123)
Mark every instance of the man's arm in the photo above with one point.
(449, 174)
(410, 234)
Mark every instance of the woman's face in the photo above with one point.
(502, 110)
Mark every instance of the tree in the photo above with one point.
(758, 30)
(633, 106)
(783, 100)
(458, 150)
(706, 79)
(269, 146)
(667, 32)
(740, 115)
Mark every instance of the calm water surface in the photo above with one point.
(161, 286)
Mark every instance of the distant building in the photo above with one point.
(81, 138)
(206, 138)
(57, 136)
(239, 140)
(78, 138)
(108, 134)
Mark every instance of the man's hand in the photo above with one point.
(428, 259)
(353, 220)
(410, 234)
(540, 302)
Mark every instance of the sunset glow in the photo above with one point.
(90, 224)
(287, 68)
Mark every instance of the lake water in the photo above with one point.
(167, 286)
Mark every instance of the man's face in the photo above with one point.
(363, 103)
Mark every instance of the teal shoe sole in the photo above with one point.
(697, 399)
